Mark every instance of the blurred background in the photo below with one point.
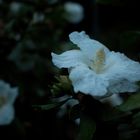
(31, 29)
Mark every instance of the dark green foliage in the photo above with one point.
(87, 128)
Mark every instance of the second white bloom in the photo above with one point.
(95, 70)
(8, 96)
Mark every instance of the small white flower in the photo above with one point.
(7, 98)
(95, 70)
(74, 12)
(15, 7)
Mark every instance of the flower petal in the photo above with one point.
(87, 45)
(121, 67)
(122, 73)
(69, 59)
(122, 86)
(6, 114)
(88, 82)
(9, 93)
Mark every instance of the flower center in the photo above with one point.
(99, 61)
(2, 101)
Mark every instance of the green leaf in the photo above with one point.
(51, 105)
(127, 132)
(114, 114)
(87, 128)
(133, 102)
(74, 112)
(136, 120)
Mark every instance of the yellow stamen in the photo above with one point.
(99, 61)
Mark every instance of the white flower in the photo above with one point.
(15, 7)
(95, 70)
(7, 98)
(74, 12)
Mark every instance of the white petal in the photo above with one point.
(9, 93)
(69, 59)
(121, 67)
(6, 114)
(122, 86)
(87, 45)
(122, 73)
(88, 82)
